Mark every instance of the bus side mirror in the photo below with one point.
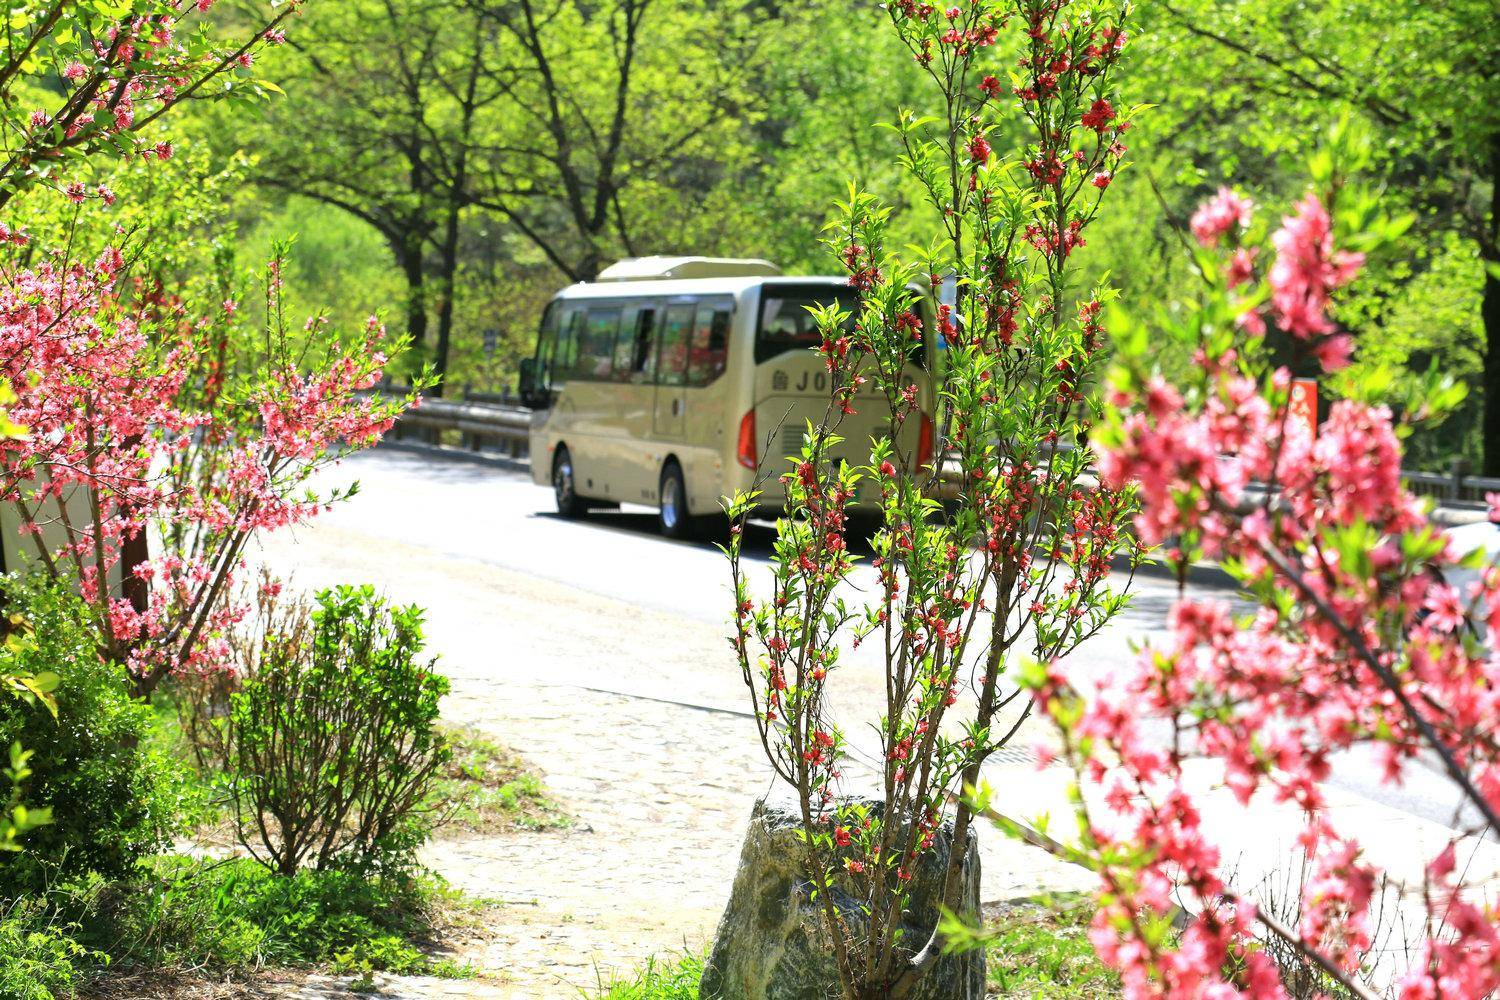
(532, 395)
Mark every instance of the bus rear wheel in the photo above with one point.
(672, 510)
(564, 489)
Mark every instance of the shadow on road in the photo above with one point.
(760, 536)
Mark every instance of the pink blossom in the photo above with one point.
(1219, 215)
(1333, 353)
(1241, 266)
(1447, 610)
(1306, 269)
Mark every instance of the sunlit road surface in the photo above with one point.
(487, 512)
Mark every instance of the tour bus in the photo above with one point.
(675, 381)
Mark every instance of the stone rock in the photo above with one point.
(773, 944)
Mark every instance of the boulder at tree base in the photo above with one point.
(772, 942)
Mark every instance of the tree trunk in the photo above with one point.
(416, 294)
(1490, 312)
(448, 262)
(590, 264)
(135, 551)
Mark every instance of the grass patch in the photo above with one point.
(180, 919)
(676, 979)
(1037, 950)
(1042, 950)
(486, 789)
(227, 918)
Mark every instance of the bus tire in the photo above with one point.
(564, 485)
(672, 515)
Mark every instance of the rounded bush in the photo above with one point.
(335, 744)
(110, 793)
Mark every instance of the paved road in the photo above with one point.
(488, 511)
(598, 651)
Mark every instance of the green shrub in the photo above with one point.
(111, 795)
(334, 739)
(37, 961)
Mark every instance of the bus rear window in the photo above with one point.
(785, 323)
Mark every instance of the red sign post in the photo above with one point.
(1304, 403)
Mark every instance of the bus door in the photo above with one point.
(669, 419)
(589, 391)
(634, 477)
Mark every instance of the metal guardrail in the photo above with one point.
(477, 423)
(1456, 489)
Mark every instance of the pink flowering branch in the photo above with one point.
(116, 75)
(1359, 639)
(1392, 683)
(140, 409)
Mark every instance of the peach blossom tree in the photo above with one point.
(1360, 638)
(1015, 563)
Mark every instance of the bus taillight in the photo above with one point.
(924, 443)
(746, 450)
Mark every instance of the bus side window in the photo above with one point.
(566, 354)
(597, 345)
(710, 350)
(643, 346)
(672, 350)
(624, 352)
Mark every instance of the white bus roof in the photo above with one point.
(666, 288)
(657, 268)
